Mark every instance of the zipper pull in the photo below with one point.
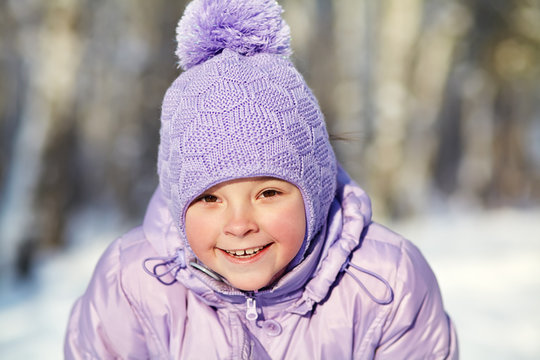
(251, 311)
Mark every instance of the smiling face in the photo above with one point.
(247, 230)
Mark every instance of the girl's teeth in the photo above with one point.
(251, 251)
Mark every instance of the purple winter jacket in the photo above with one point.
(363, 292)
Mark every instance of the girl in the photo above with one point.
(256, 245)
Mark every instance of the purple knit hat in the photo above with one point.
(241, 109)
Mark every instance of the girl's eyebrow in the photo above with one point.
(266, 178)
(270, 178)
(273, 182)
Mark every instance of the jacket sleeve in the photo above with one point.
(417, 326)
(102, 324)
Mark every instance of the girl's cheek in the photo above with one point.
(195, 226)
(289, 223)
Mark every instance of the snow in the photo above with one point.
(34, 316)
(488, 267)
(487, 263)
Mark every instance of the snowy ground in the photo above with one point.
(488, 266)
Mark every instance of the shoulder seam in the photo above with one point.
(144, 322)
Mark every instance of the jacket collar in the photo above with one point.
(304, 285)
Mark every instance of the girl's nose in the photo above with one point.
(240, 221)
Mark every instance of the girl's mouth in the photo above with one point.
(246, 253)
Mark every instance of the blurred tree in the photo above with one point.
(439, 98)
(80, 113)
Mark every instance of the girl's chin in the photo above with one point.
(248, 285)
(254, 284)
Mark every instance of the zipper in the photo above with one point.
(270, 327)
(251, 309)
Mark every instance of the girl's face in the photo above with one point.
(247, 230)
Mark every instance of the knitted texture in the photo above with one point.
(244, 26)
(236, 116)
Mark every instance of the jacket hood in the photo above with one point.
(301, 287)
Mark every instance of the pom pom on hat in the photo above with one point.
(247, 27)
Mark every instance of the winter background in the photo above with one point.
(435, 107)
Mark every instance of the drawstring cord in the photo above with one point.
(174, 264)
(384, 301)
(205, 270)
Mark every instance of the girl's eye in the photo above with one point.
(208, 198)
(269, 193)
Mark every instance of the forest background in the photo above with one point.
(435, 107)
